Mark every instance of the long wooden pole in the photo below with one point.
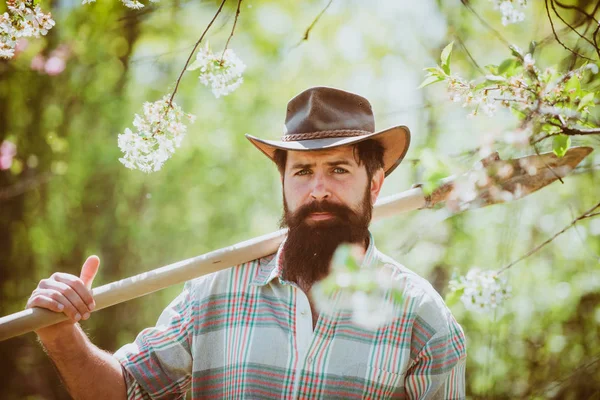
(549, 169)
(148, 282)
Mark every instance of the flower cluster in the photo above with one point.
(366, 293)
(23, 19)
(510, 15)
(222, 74)
(481, 291)
(8, 150)
(465, 92)
(546, 99)
(158, 132)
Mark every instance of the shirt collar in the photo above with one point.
(270, 267)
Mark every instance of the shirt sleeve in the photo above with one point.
(439, 369)
(158, 364)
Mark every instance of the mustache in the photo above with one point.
(338, 210)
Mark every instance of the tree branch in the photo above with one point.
(312, 25)
(571, 27)
(237, 14)
(580, 131)
(588, 214)
(591, 18)
(556, 36)
(194, 50)
(581, 21)
(462, 44)
(484, 23)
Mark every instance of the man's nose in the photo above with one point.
(319, 190)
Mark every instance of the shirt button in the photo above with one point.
(309, 360)
(303, 312)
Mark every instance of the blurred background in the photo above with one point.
(65, 97)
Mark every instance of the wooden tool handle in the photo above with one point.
(147, 282)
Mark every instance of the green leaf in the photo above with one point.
(507, 67)
(561, 144)
(430, 80)
(493, 69)
(516, 52)
(445, 58)
(532, 47)
(517, 113)
(433, 181)
(573, 83)
(437, 71)
(551, 129)
(587, 100)
(453, 297)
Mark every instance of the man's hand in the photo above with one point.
(66, 293)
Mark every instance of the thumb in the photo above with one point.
(89, 270)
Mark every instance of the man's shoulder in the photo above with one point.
(233, 278)
(423, 299)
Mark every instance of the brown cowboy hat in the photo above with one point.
(324, 118)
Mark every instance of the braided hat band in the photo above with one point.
(323, 135)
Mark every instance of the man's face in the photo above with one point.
(330, 176)
(327, 201)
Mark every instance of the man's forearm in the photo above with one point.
(87, 371)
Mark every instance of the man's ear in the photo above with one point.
(376, 184)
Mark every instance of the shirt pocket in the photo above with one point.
(382, 384)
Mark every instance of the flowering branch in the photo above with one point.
(588, 214)
(160, 129)
(237, 14)
(548, 103)
(195, 47)
(23, 19)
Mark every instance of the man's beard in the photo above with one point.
(309, 247)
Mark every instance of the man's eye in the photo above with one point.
(339, 170)
(302, 172)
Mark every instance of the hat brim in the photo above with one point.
(395, 142)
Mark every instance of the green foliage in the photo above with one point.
(445, 58)
(435, 170)
(560, 144)
(67, 196)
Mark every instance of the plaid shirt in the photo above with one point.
(245, 333)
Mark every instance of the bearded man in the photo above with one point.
(253, 331)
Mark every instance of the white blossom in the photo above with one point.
(222, 74)
(23, 19)
(159, 131)
(510, 14)
(482, 291)
(465, 92)
(133, 4)
(528, 62)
